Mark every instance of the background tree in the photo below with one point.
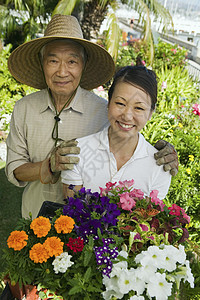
(93, 13)
(23, 19)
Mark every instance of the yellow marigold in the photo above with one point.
(38, 253)
(40, 226)
(17, 240)
(64, 224)
(54, 246)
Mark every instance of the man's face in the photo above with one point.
(63, 65)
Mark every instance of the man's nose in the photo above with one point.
(62, 69)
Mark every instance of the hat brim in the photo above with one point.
(25, 66)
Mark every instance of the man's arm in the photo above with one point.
(28, 172)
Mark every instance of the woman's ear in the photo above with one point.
(150, 114)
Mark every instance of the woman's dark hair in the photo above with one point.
(138, 76)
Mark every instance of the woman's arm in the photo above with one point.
(68, 192)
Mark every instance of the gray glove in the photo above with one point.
(166, 156)
(60, 160)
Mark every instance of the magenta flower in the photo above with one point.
(175, 210)
(126, 202)
(196, 109)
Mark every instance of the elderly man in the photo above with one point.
(64, 66)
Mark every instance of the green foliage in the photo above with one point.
(10, 90)
(165, 55)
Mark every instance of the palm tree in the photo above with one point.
(23, 19)
(93, 12)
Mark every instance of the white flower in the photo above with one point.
(144, 273)
(158, 287)
(118, 267)
(153, 256)
(123, 253)
(138, 280)
(177, 254)
(137, 298)
(108, 294)
(125, 281)
(169, 259)
(189, 276)
(111, 283)
(62, 262)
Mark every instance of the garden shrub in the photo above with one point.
(10, 91)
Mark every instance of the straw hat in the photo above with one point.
(25, 66)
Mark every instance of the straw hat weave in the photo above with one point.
(25, 66)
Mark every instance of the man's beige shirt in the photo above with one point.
(30, 138)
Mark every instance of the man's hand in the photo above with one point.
(60, 160)
(167, 157)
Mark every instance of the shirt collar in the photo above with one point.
(76, 104)
(140, 151)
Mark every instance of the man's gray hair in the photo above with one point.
(82, 49)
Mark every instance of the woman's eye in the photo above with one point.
(139, 108)
(120, 103)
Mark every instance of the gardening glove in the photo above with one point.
(60, 160)
(166, 156)
(46, 176)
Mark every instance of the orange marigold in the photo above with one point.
(17, 240)
(54, 246)
(40, 226)
(38, 253)
(64, 224)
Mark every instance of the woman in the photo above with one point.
(120, 152)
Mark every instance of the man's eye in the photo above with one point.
(52, 61)
(139, 108)
(72, 62)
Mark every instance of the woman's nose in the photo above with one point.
(127, 114)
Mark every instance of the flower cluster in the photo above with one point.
(157, 269)
(116, 243)
(196, 109)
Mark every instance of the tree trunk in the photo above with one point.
(93, 16)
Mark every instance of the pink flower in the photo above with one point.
(174, 50)
(196, 109)
(175, 210)
(156, 200)
(126, 202)
(136, 193)
(125, 183)
(100, 88)
(163, 86)
(143, 62)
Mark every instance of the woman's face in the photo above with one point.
(129, 110)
